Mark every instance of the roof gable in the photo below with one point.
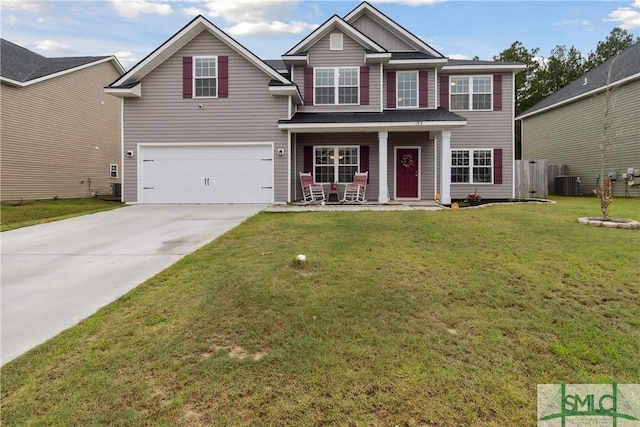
(183, 37)
(391, 26)
(335, 22)
(22, 67)
(625, 67)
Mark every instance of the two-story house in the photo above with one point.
(207, 121)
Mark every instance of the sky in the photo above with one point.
(131, 29)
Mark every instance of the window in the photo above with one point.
(336, 86)
(205, 77)
(471, 166)
(113, 170)
(471, 93)
(335, 164)
(407, 82)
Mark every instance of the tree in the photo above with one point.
(617, 41)
(561, 68)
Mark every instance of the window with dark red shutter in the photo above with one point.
(364, 85)
(444, 92)
(423, 85)
(364, 159)
(497, 166)
(308, 159)
(308, 86)
(497, 93)
(391, 89)
(223, 76)
(187, 77)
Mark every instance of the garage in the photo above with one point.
(180, 173)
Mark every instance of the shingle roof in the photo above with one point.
(21, 65)
(387, 116)
(626, 64)
(478, 62)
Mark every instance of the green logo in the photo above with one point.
(569, 405)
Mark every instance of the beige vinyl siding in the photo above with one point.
(59, 134)
(249, 114)
(339, 139)
(431, 87)
(488, 129)
(569, 135)
(380, 34)
(352, 55)
(427, 161)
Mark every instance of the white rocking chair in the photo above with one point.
(356, 191)
(311, 191)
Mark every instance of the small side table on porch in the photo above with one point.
(331, 193)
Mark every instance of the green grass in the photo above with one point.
(24, 213)
(445, 318)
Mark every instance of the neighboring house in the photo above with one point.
(567, 126)
(60, 132)
(206, 120)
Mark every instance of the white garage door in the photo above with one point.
(206, 174)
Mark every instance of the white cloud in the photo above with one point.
(12, 20)
(258, 17)
(626, 17)
(53, 46)
(636, 3)
(192, 11)
(270, 28)
(458, 56)
(410, 2)
(126, 58)
(579, 22)
(133, 8)
(24, 5)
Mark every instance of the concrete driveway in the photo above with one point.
(54, 275)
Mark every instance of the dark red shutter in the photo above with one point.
(364, 85)
(497, 166)
(423, 84)
(187, 77)
(308, 86)
(308, 159)
(391, 89)
(444, 92)
(364, 159)
(223, 76)
(497, 93)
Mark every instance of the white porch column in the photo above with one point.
(383, 196)
(445, 168)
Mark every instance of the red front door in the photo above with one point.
(407, 161)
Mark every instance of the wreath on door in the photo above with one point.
(407, 160)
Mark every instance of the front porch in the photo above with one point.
(407, 153)
(421, 205)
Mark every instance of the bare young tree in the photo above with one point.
(607, 140)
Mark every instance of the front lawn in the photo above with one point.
(25, 213)
(444, 318)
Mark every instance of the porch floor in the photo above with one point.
(417, 205)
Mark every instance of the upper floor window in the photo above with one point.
(336, 86)
(471, 92)
(205, 76)
(335, 164)
(471, 166)
(407, 88)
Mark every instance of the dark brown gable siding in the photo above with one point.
(497, 93)
(391, 89)
(187, 77)
(423, 85)
(364, 85)
(223, 76)
(444, 92)
(308, 86)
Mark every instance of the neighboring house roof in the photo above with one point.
(625, 67)
(179, 40)
(21, 67)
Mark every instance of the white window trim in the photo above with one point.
(193, 66)
(471, 93)
(336, 86)
(471, 150)
(336, 41)
(336, 161)
(112, 169)
(417, 90)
